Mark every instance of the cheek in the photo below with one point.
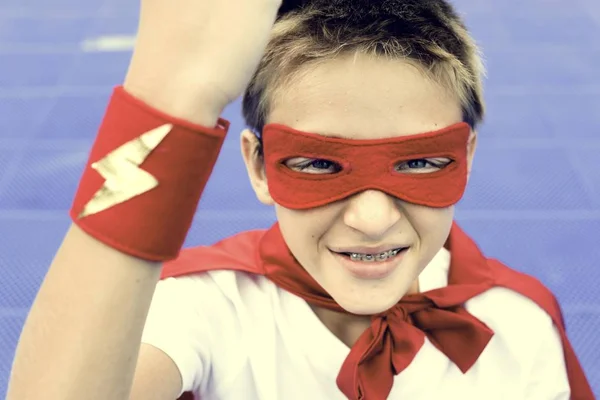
(304, 229)
(432, 225)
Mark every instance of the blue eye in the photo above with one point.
(313, 165)
(423, 165)
(320, 164)
(413, 164)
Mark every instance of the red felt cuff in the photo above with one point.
(153, 223)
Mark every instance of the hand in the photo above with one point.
(193, 57)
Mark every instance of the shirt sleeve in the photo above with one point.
(549, 379)
(177, 327)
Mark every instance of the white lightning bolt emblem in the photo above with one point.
(120, 169)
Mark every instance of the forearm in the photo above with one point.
(83, 332)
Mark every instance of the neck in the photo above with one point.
(348, 327)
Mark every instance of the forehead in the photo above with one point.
(364, 97)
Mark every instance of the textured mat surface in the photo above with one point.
(534, 200)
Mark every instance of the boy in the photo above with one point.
(363, 118)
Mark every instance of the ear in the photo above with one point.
(471, 147)
(255, 167)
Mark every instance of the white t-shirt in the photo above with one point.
(237, 336)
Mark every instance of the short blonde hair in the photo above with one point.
(427, 33)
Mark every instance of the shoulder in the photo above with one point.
(511, 314)
(225, 271)
(522, 288)
(518, 304)
(524, 315)
(529, 287)
(202, 321)
(527, 345)
(218, 291)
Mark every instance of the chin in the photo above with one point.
(366, 303)
(366, 296)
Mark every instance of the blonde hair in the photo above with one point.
(428, 34)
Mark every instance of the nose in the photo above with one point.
(372, 213)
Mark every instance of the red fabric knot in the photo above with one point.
(395, 338)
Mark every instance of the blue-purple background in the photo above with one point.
(533, 202)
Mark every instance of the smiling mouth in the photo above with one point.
(375, 257)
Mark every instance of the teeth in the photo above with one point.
(374, 257)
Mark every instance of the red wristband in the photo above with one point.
(144, 178)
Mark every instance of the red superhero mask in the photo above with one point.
(359, 165)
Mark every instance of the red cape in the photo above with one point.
(232, 254)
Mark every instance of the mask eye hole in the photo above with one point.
(423, 165)
(312, 165)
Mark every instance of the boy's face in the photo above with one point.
(360, 97)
